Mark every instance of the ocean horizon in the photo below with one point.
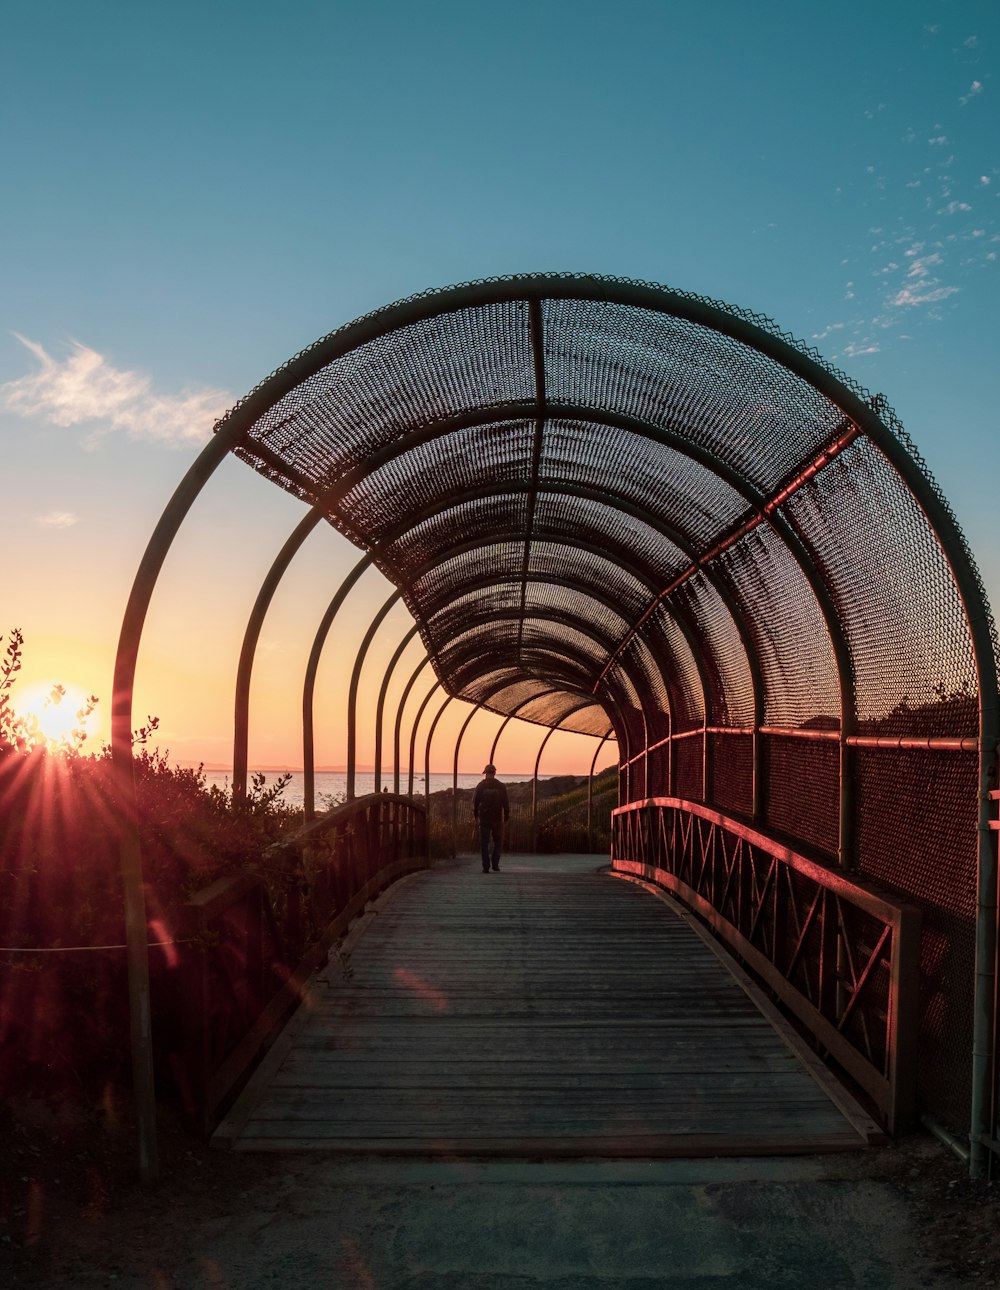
(332, 785)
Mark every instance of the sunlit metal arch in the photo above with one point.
(747, 330)
(450, 501)
(609, 702)
(427, 752)
(413, 732)
(473, 621)
(664, 436)
(581, 623)
(400, 706)
(609, 498)
(380, 705)
(366, 561)
(292, 545)
(577, 679)
(309, 680)
(352, 690)
(272, 580)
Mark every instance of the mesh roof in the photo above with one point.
(618, 492)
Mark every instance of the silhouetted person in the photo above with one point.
(491, 809)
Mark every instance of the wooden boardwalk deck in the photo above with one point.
(548, 1010)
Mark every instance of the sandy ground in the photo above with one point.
(71, 1215)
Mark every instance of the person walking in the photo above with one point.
(491, 809)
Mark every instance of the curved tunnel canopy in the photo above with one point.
(605, 501)
(743, 517)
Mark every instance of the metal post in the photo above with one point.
(496, 738)
(983, 1128)
(427, 767)
(427, 746)
(534, 778)
(352, 693)
(126, 658)
(399, 720)
(309, 685)
(454, 780)
(413, 733)
(380, 707)
(241, 714)
(590, 795)
(534, 791)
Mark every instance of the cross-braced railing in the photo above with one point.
(838, 954)
(255, 938)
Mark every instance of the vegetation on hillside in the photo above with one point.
(562, 816)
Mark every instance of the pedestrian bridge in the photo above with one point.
(636, 513)
(547, 1010)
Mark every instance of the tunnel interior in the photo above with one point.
(610, 504)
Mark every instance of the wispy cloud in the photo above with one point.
(907, 297)
(975, 88)
(57, 520)
(84, 388)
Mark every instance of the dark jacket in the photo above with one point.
(490, 801)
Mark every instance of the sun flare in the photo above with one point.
(53, 712)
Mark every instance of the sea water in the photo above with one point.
(332, 785)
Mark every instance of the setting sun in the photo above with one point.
(53, 711)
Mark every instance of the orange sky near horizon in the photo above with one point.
(70, 609)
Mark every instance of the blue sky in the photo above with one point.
(194, 193)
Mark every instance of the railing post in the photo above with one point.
(130, 852)
(244, 670)
(380, 706)
(590, 796)
(399, 721)
(309, 685)
(427, 768)
(413, 738)
(454, 781)
(829, 956)
(352, 692)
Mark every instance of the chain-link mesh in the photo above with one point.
(803, 790)
(689, 768)
(666, 505)
(731, 759)
(917, 826)
(897, 602)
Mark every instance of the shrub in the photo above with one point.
(63, 1015)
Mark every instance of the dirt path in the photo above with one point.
(902, 1216)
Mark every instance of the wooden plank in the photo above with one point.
(621, 1147)
(869, 1129)
(557, 1013)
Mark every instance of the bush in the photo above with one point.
(63, 1015)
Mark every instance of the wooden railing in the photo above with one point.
(838, 954)
(254, 939)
